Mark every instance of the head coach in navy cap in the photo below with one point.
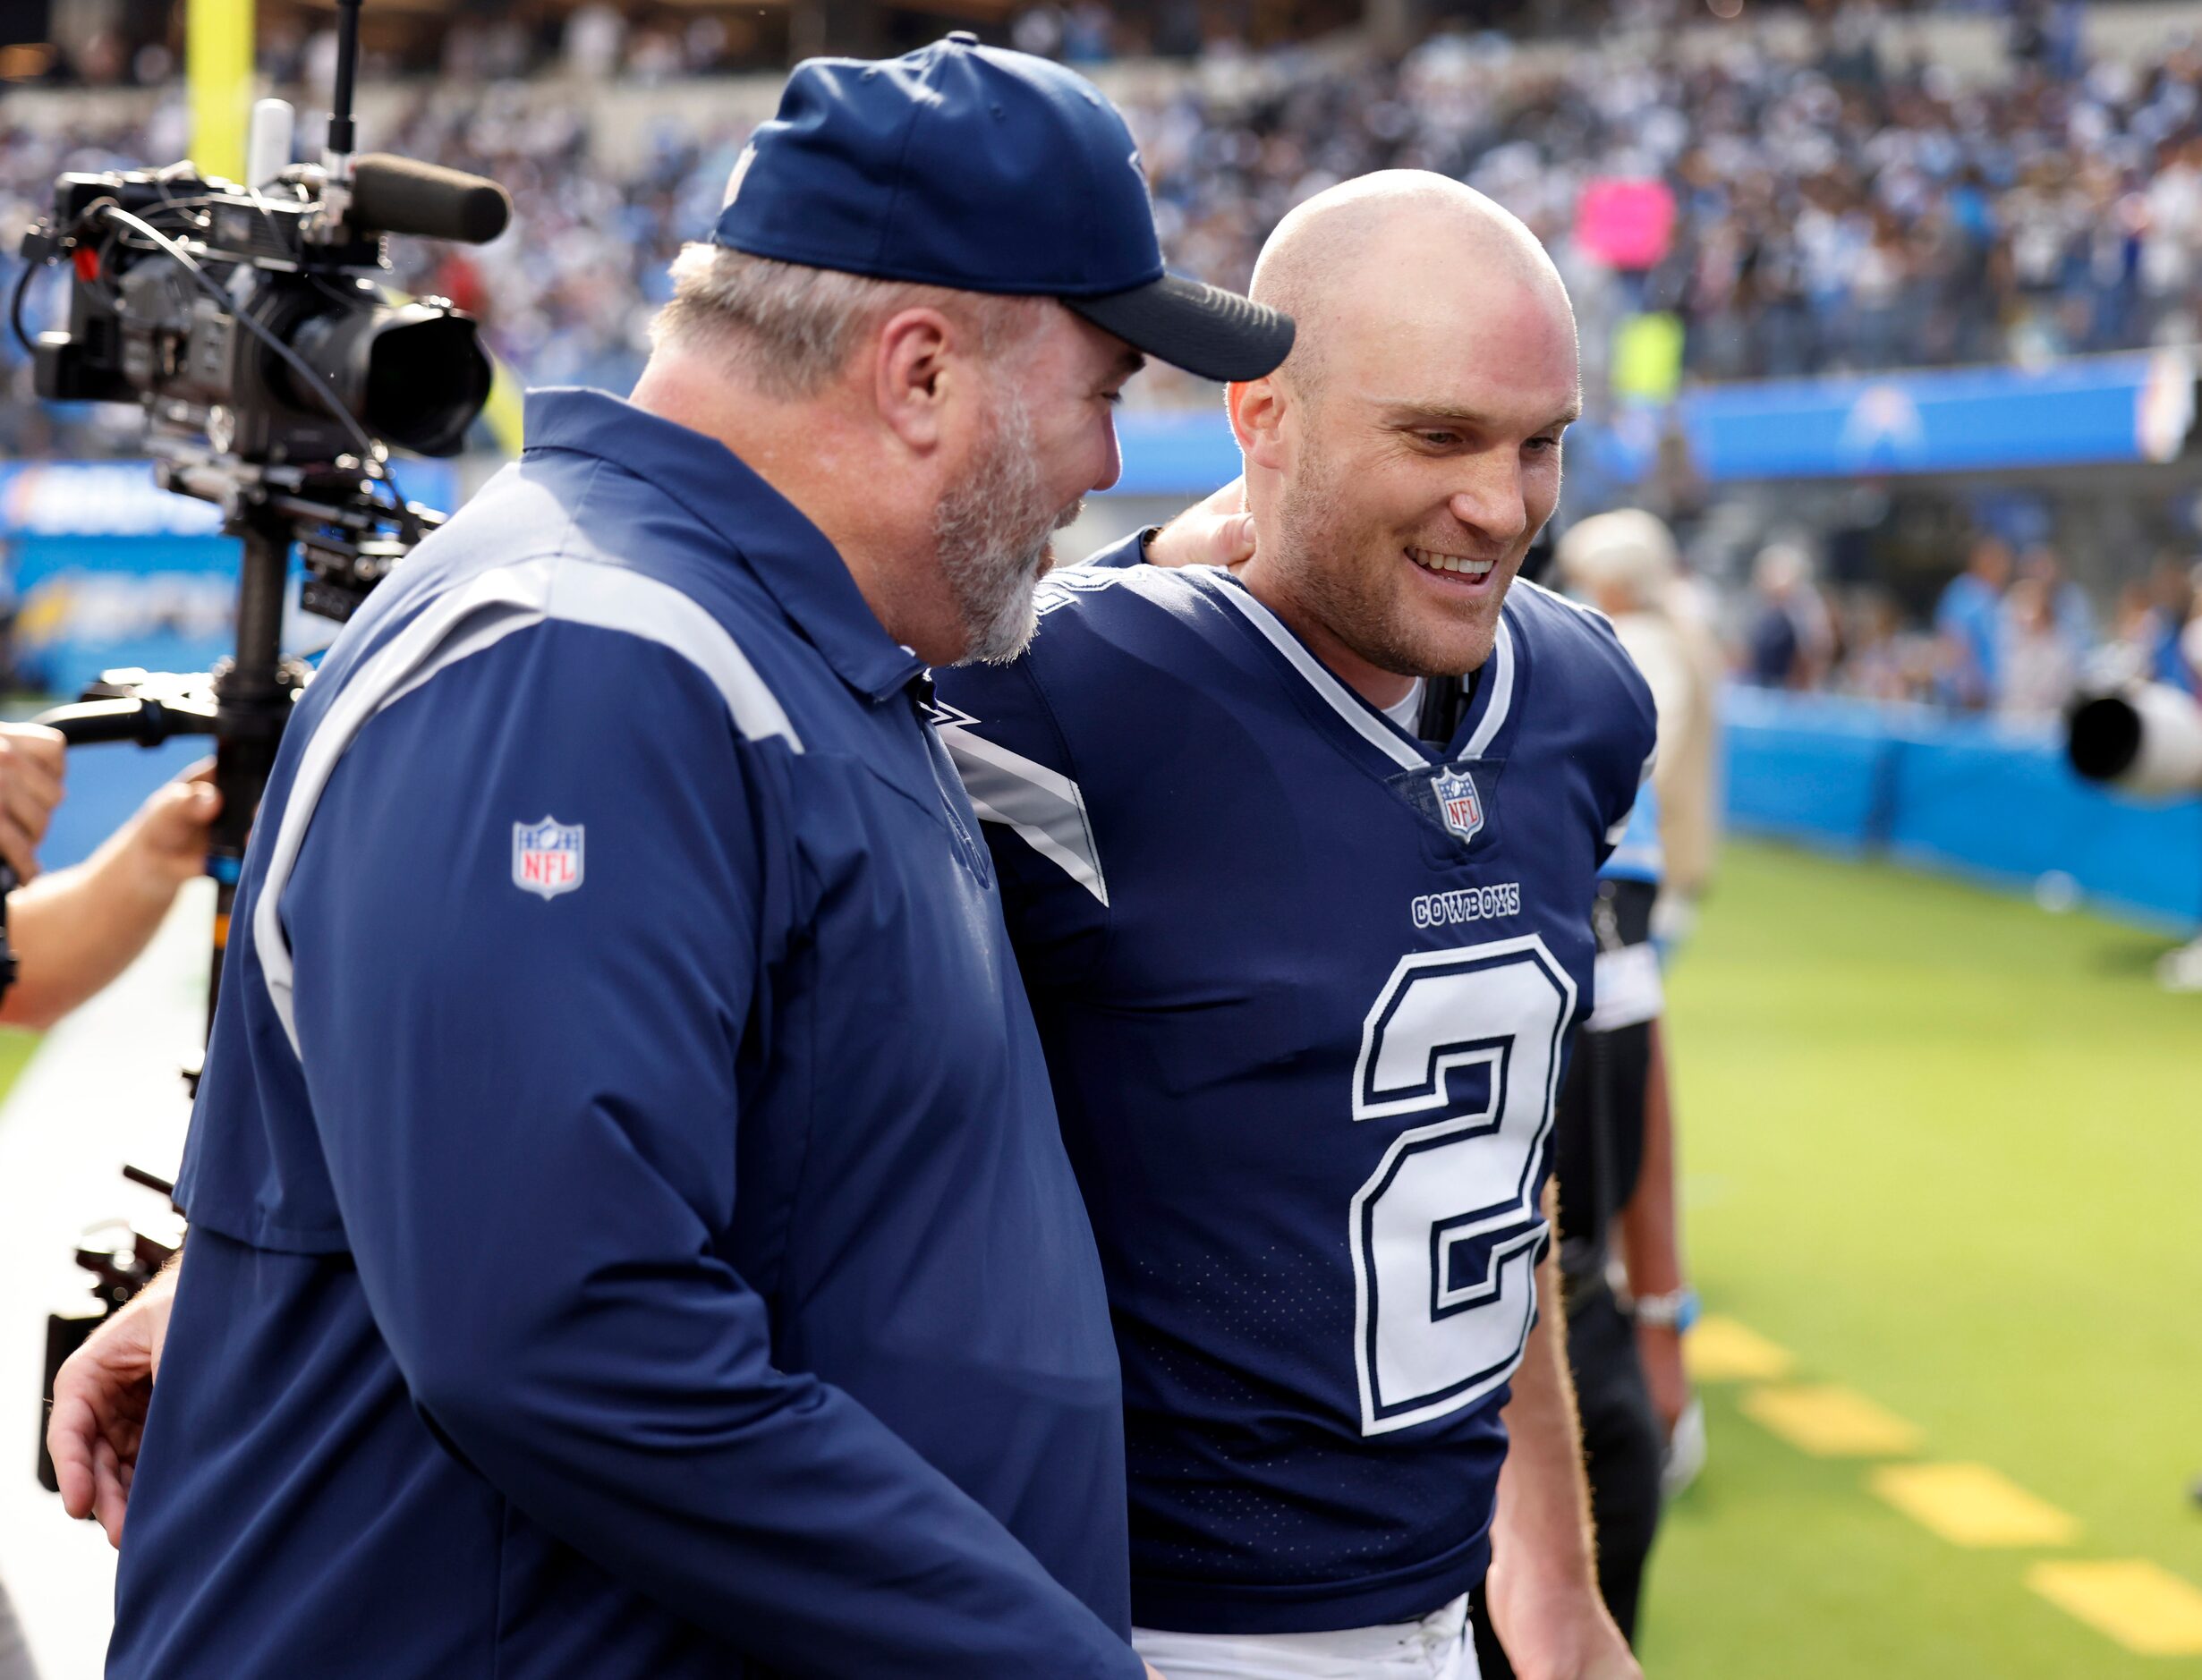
(630, 1237)
(951, 258)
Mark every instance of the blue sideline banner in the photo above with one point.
(2080, 412)
(103, 568)
(1964, 795)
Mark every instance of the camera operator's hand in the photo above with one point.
(1216, 532)
(30, 777)
(79, 928)
(170, 832)
(100, 1396)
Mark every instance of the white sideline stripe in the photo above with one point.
(1044, 806)
(466, 622)
(1319, 679)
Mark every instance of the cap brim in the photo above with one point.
(1203, 329)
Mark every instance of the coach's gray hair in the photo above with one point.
(787, 330)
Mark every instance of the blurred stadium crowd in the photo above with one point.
(1827, 211)
(2011, 635)
(1798, 209)
(1793, 200)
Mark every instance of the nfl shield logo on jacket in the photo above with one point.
(546, 856)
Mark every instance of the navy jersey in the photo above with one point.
(1306, 987)
(630, 1235)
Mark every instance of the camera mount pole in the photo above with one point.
(342, 141)
(252, 703)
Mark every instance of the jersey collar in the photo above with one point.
(787, 554)
(1487, 712)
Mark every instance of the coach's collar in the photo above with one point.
(789, 554)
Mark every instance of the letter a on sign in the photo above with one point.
(546, 856)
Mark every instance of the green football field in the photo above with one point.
(15, 1047)
(1944, 1151)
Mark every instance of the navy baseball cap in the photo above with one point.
(982, 170)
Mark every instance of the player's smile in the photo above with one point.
(1455, 572)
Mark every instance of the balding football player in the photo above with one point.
(1308, 979)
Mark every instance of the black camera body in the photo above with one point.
(144, 328)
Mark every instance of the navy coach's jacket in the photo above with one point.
(629, 1232)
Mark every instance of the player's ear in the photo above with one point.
(918, 362)
(1257, 410)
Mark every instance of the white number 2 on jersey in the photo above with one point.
(1445, 1232)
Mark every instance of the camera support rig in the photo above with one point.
(348, 539)
(250, 323)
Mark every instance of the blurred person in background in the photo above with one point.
(1968, 620)
(2152, 636)
(1883, 659)
(2036, 665)
(2068, 603)
(1789, 640)
(2176, 592)
(1626, 563)
(2190, 638)
(2136, 631)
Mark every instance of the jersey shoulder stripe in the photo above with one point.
(467, 620)
(1043, 807)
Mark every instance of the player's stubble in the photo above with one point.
(1344, 576)
(995, 537)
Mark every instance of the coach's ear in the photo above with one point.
(1257, 408)
(918, 365)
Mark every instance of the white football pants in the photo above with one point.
(1436, 1647)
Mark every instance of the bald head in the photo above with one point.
(1370, 251)
(1402, 460)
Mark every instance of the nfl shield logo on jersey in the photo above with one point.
(1458, 802)
(546, 856)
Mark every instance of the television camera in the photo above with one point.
(2143, 738)
(249, 322)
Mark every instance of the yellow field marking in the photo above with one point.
(1972, 1505)
(1829, 1421)
(1721, 1349)
(2144, 1608)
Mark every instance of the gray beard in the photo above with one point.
(992, 541)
